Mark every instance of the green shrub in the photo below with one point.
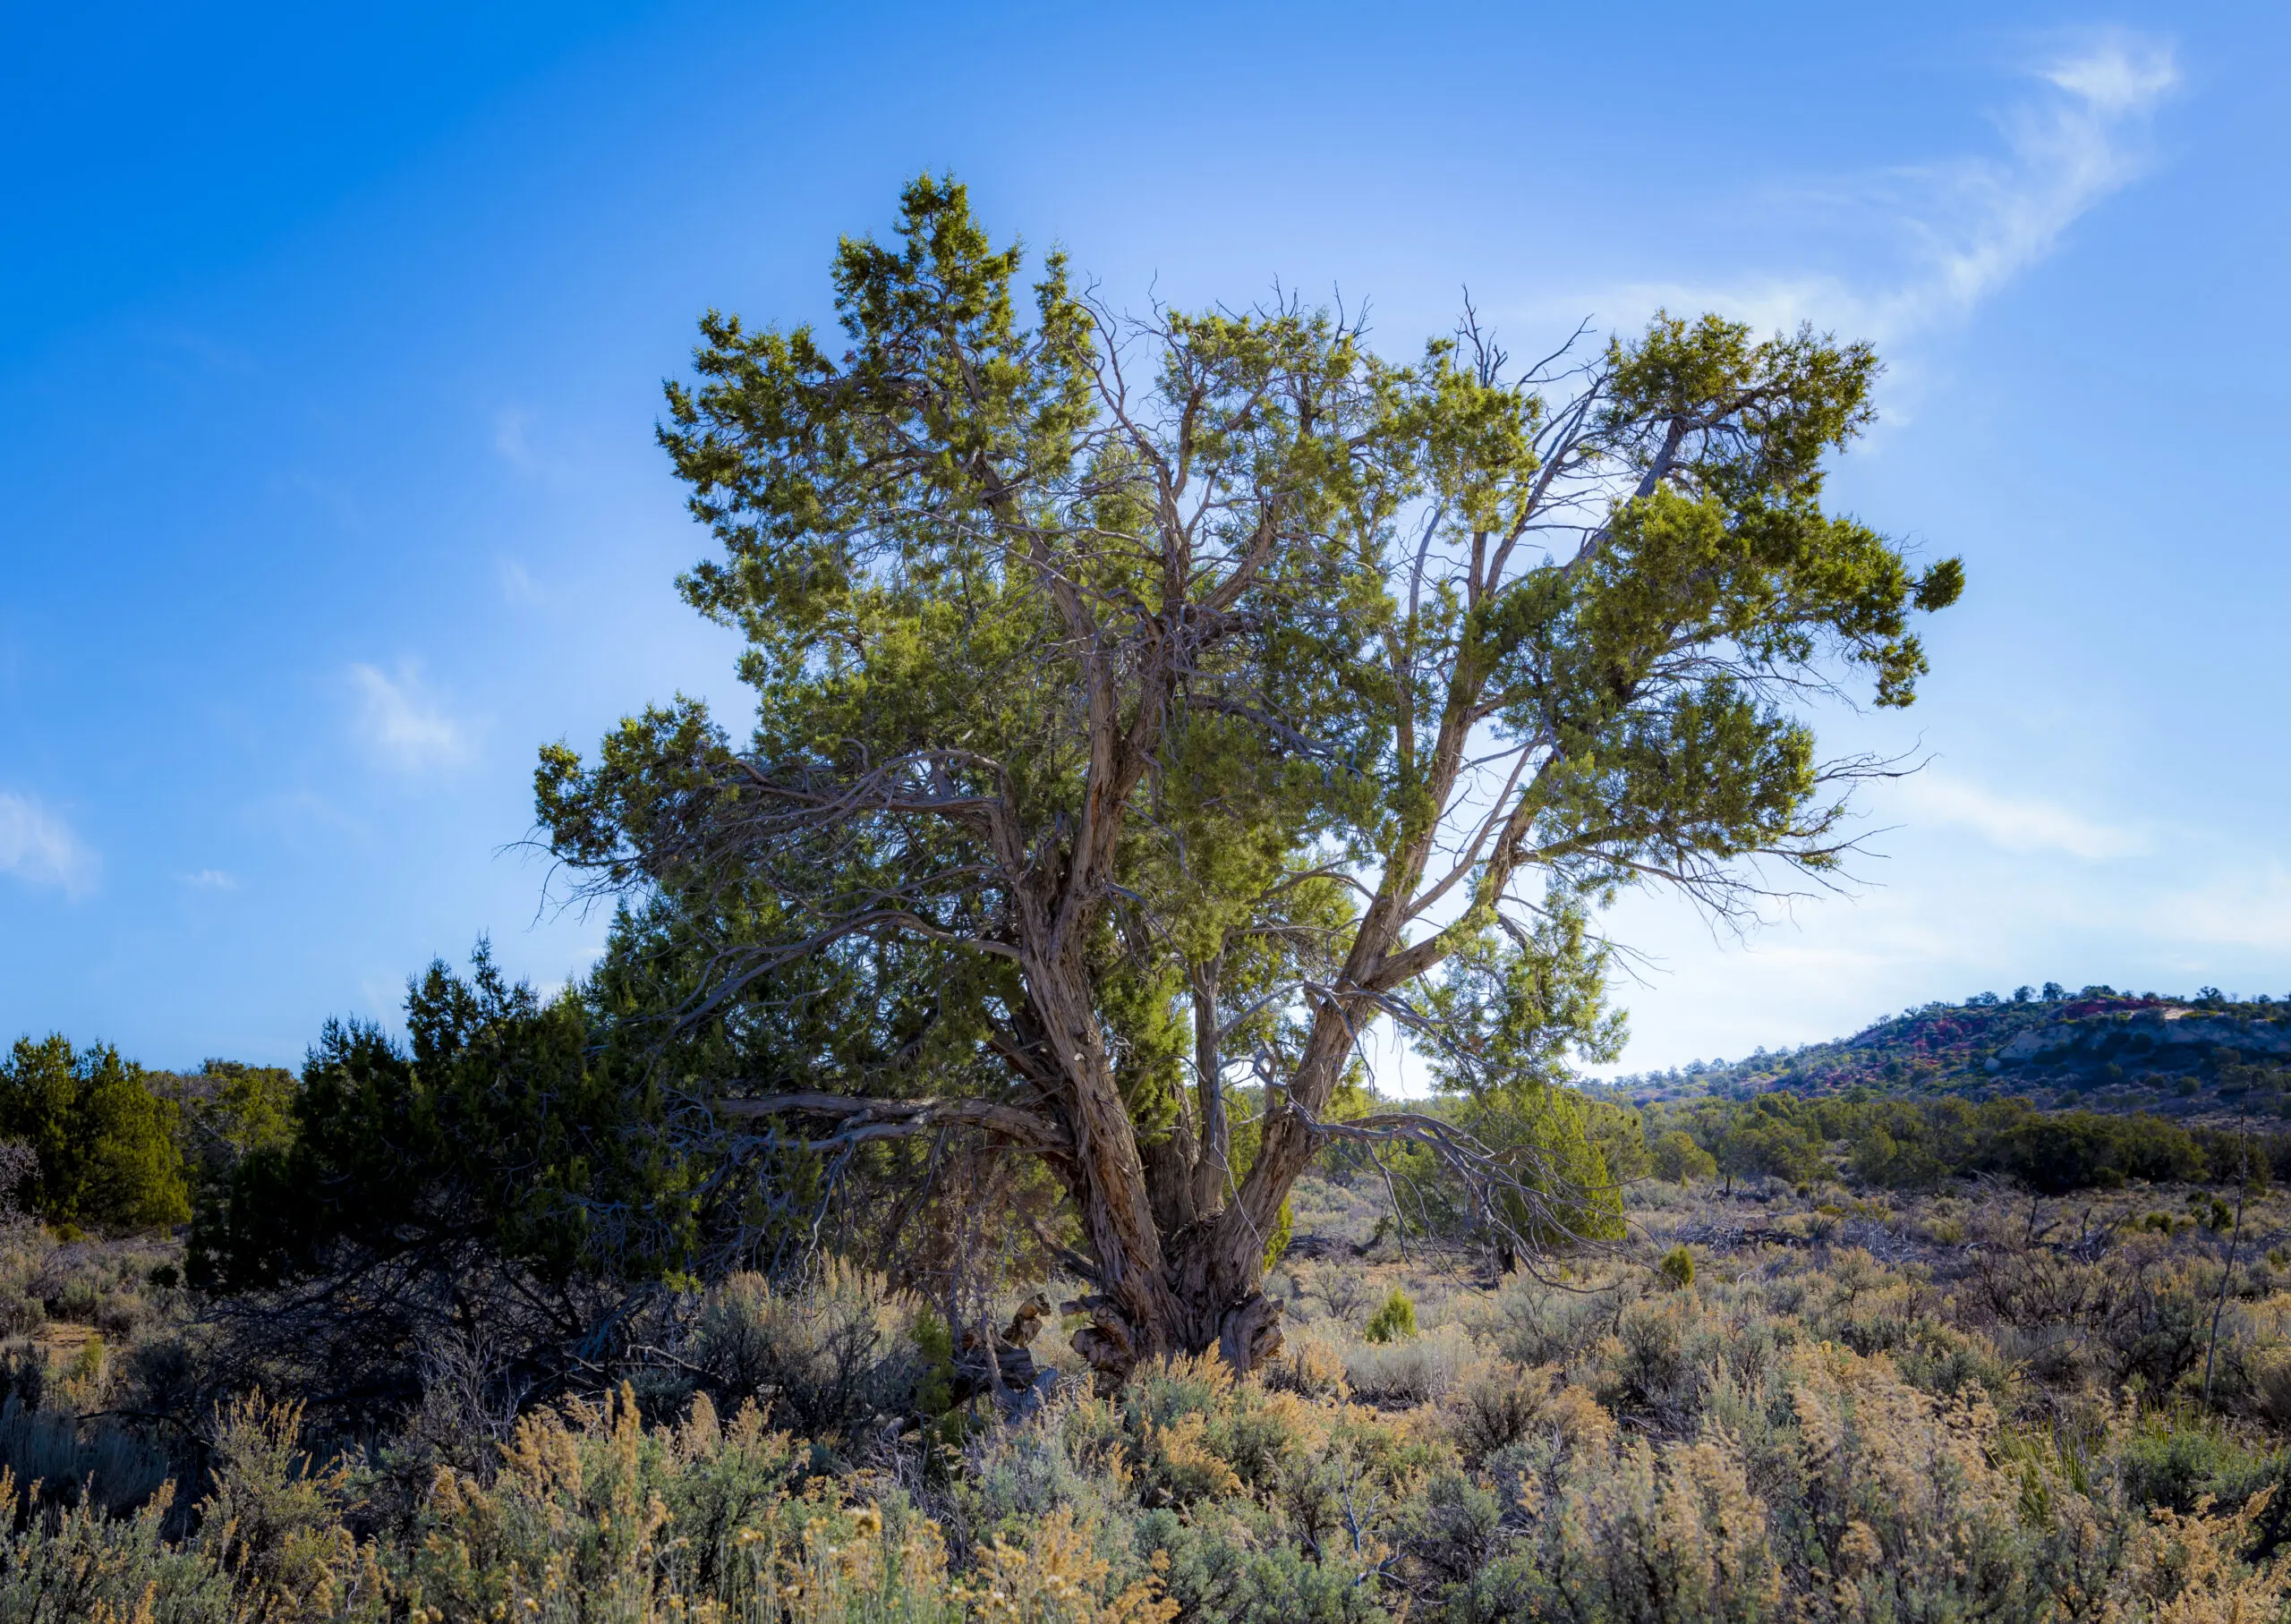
(1678, 1159)
(1496, 1406)
(226, 1111)
(1395, 1321)
(106, 1144)
(273, 1521)
(497, 1126)
(1678, 1267)
(1284, 1226)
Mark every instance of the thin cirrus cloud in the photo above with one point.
(519, 587)
(39, 848)
(404, 726)
(1973, 223)
(511, 443)
(2016, 823)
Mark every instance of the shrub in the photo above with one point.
(1658, 1365)
(1759, 1467)
(273, 1521)
(86, 1565)
(104, 1143)
(1413, 1370)
(1678, 1267)
(814, 1357)
(1395, 1321)
(53, 1457)
(498, 1129)
(1678, 1159)
(1495, 1406)
(1648, 1535)
(227, 1112)
(1309, 1365)
(2269, 1375)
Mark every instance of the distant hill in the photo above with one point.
(2204, 1057)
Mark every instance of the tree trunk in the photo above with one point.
(1204, 1291)
(1178, 1267)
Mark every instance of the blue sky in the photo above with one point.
(330, 351)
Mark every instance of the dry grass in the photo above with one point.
(1960, 1405)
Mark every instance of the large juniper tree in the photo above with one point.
(1147, 707)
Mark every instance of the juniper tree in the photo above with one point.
(1147, 707)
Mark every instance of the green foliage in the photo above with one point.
(1284, 1226)
(1557, 1150)
(1558, 1145)
(1915, 1144)
(105, 1142)
(1768, 1136)
(498, 1125)
(1395, 1320)
(1676, 1158)
(1511, 1008)
(1678, 1267)
(228, 1112)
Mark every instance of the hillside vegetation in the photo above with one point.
(2206, 1058)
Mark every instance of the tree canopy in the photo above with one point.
(1147, 707)
(104, 1142)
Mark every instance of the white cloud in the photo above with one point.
(211, 880)
(2069, 151)
(404, 728)
(39, 848)
(1976, 223)
(2015, 823)
(2123, 75)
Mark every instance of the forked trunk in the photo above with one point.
(1204, 1298)
(1193, 1285)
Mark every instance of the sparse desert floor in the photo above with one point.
(1768, 1404)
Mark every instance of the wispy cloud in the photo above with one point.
(404, 725)
(2015, 823)
(211, 880)
(38, 847)
(519, 587)
(510, 441)
(536, 446)
(1974, 223)
(2070, 149)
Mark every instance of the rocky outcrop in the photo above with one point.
(2190, 1033)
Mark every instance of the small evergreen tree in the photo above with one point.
(1395, 1321)
(106, 1143)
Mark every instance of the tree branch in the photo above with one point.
(866, 1118)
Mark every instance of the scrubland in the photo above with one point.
(1767, 1404)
